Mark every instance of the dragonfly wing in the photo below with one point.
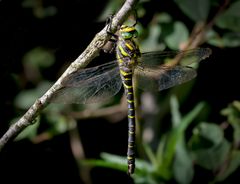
(185, 58)
(155, 73)
(163, 78)
(90, 85)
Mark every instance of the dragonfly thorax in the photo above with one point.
(127, 49)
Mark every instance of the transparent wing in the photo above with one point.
(185, 58)
(90, 85)
(154, 73)
(157, 80)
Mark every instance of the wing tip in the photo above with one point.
(205, 52)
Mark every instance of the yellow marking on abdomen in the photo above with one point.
(130, 101)
(119, 59)
(122, 51)
(129, 46)
(126, 86)
(131, 116)
(125, 73)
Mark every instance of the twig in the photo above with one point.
(119, 111)
(82, 61)
(198, 34)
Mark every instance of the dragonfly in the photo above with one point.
(149, 69)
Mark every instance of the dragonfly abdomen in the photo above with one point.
(128, 86)
(127, 52)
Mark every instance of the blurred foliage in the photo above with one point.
(230, 18)
(174, 154)
(26, 98)
(38, 9)
(39, 57)
(196, 10)
(173, 34)
(177, 157)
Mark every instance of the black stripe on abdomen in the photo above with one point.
(127, 81)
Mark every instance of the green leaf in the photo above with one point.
(213, 38)
(236, 104)
(232, 112)
(183, 164)
(197, 10)
(188, 119)
(141, 166)
(210, 132)
(175, 136)
(39, 57)
(230, 19)
(114, 158)
(233, 164)
(103, 163)
(119, 163)
(26, 98)
(156, 33)
(151, 42)
(205, 136)
(213, 157)
(59, 123)
(178, 132)
(150, 154)
(178, 36)
(209, 147)
(176, 116)
(230, 39)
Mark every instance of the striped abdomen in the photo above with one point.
(127, 55)
(127, 82)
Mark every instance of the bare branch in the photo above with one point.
(198, 35)
(114, 113)
(82, 61)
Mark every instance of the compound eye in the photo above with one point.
(129, 35)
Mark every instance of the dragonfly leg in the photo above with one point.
(111, 44)
(109, 27)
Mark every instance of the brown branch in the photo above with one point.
(197, 36)
(114, 113)
(82, 61)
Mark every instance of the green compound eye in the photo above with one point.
(129, 35)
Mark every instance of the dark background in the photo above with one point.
(67, 34)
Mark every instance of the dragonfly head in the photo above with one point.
(128, 32)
